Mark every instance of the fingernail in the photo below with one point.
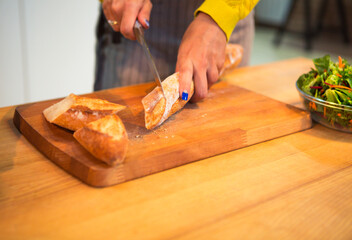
(146, 22)
(184, 95)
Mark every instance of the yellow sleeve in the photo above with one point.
(226, 13)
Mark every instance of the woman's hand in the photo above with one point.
(123, 14)
(201, 56)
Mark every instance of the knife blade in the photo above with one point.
(139, 32)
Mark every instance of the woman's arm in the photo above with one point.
(202, 51)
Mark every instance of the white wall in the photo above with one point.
(11, 67)
(47, 49)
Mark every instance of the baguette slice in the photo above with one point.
(74, 112)
(106, 139)
(157, 108)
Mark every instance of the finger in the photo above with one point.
(131, 10)
(219, 63)
(110, 15)
(212, 75)
(117, 8)
(185, 79)
(144, 14)
(200, 84)
(106, 5)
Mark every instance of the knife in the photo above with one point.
(139, 32)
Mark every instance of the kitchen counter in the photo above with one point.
(294, 187)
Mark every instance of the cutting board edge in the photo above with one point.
(95, 177)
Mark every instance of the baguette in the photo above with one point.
(74, 112)
(157, 108)
(105, 138)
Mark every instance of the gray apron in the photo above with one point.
(121, 62)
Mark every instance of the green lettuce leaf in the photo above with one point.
(330, 96)
(322, 64)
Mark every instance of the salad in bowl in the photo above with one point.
(327, 92)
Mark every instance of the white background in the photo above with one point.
(47, 49)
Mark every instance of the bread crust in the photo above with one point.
(106, 139)
(158, 108)
(74, 112)
(78, 116)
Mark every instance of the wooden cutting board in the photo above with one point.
(230, 118)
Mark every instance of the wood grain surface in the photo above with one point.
(297, 186)
(229, 118)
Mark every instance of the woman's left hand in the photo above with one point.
(201, 56)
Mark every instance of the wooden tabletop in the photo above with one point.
(294, 187)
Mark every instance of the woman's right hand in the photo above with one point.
(124, 13)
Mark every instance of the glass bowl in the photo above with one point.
(332, 115)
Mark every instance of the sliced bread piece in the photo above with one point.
(105, 138)
(74, 112)
(157, 108)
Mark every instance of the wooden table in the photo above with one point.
(294, 187)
